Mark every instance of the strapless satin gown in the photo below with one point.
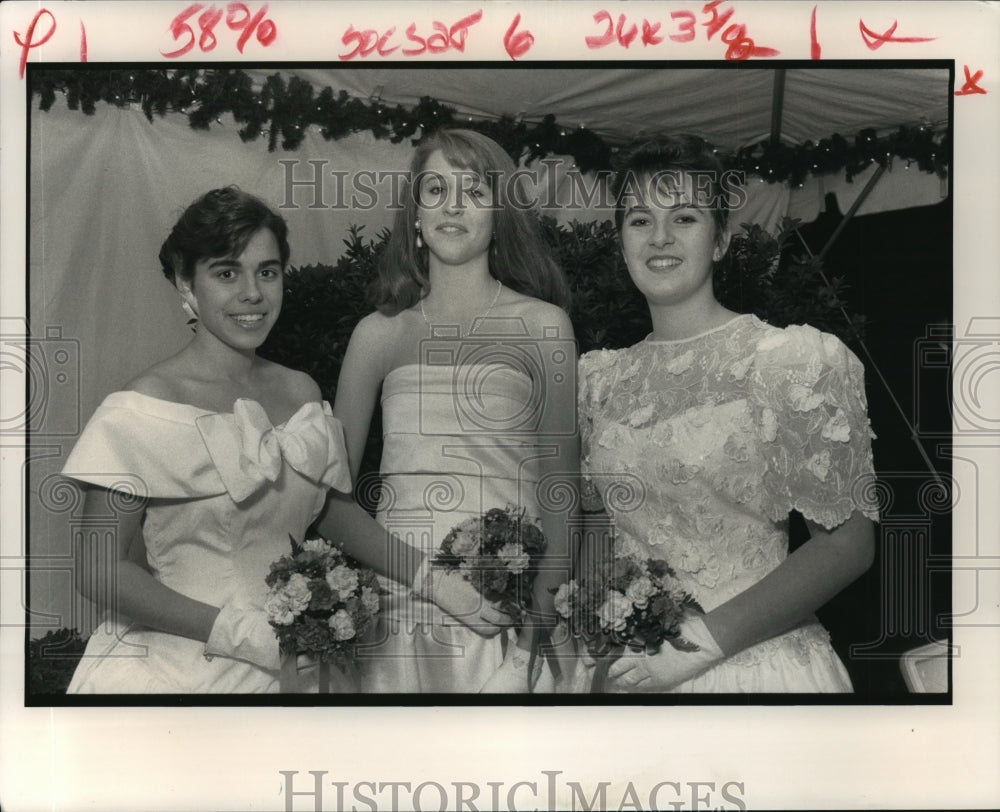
(449, 454)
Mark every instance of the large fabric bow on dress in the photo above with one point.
(247, 450)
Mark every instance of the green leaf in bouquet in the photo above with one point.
(681, 644)
(690, 602)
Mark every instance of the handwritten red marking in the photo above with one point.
(608, 37)
(443, 39)
(615, 31)
(970, 85)
(238, 18)
(411, 35)
(83, 42)
(735, 36)
(28, 41)
(874, 40)
(741, 46)
(717, 21)
(625, 37)
(649, 33)
(461, 29)
(623, 32)
(207, 22)
(515, 42)
(440, 39)
(367, 42)
(686, 28)
(179, 27)
(265, 29)
(814, 49)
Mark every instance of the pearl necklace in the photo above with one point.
(496, 297)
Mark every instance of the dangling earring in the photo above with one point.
(184, 289)
(191, 313)
(420, 241)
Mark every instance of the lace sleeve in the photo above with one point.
(807, 395)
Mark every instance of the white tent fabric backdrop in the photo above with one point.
(105, 189)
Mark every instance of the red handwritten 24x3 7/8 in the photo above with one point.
(684, 29)
(238, 18)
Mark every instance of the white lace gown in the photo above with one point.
(701, 447)
(225, 491)
(454, 447)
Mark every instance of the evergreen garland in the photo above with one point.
(284, 108)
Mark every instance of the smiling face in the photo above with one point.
(455, 211)
(669, 239)
(238, 299)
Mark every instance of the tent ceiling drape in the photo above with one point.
(730, 106)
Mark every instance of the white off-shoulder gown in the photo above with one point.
(225, 492)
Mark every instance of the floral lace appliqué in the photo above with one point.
(837, 428)
(680, 364)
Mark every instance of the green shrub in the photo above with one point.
(52, 659)
(768, 276)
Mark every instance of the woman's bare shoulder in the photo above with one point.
(164, 380)
(541, 318)
(298, 386)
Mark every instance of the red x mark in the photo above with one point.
(874, 40)
(970, 85)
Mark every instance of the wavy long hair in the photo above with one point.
(518, 256)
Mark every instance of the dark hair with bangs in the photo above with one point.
(669, 154)
(519, 256)
(220, 223)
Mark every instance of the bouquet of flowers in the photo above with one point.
(498, 553)
(320, 603)
(625, 603)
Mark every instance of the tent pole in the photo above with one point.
(854, 207)
(777, 102)
(870, 364)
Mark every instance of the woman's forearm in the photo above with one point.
(117, 578)
(800, 585)
(345, 523)
(553, 571)
(138, 596)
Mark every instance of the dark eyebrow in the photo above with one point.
(227, 263)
